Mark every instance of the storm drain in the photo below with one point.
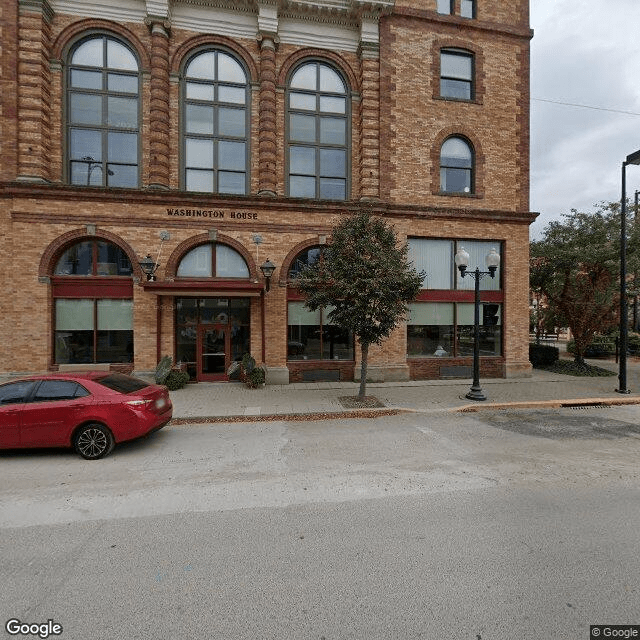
(586, 406)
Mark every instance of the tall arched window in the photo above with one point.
(93, 304)
(456, 166)
(213, 260)
(317, 133)
(103, 113)
(215, 126)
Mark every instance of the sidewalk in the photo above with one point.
(233, 400)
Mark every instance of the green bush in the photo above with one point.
(248, 363)
(601, 346)
(176, 379)
(256, 378)
(541, 355)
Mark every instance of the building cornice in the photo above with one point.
(182, 199)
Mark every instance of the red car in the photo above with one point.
(88, 411)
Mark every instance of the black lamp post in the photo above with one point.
(633, 158)
(462, 262)
(267, 269)
(149, 266)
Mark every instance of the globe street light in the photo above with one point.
(462, 262)
(633, 158)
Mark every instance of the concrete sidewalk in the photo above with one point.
(227, 400)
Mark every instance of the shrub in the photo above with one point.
(248, 363)
(256, 378)
(541, 355)
(601, 346)
(176, 379)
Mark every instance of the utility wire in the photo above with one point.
(586, 106)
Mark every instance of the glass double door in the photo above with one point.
(211, 333)
(213, 351)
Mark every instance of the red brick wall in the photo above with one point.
(398, 123)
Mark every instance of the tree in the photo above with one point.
(366, 277)
(576, 266)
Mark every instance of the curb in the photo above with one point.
(549, 404)
(291, 417)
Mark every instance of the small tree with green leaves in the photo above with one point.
(576, 266)
(366, 278)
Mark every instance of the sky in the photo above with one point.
(583, 53)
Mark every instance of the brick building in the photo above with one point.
(215, 135)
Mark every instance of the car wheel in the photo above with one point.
(93, 441)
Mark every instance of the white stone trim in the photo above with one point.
(116, 10)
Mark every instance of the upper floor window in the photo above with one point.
(103, 114)
(318, 133)
(213, 260)
(436, 258)
(446, 6)
(215, 124)
(468, 8)
(456, 166)
(456, 74)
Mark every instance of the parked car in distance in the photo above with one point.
(89, 411)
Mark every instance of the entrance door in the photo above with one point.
(213, 352)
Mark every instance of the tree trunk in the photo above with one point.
(364, 351)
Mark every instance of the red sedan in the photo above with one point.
(88, 411)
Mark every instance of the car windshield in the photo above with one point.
(122, 383)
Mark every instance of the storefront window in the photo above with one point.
(311, 337)
(91, 330)
(430, 330)
(436, 259)
(437, 329)
(490, 329)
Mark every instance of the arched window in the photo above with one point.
(456, 166)
(103, 113)
(215, 125)
(93, 321)
(317, 133)
(305, 258)
(213, 260)
(93, 258)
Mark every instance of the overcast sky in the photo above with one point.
(583, 53)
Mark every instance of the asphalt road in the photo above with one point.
(489, 526)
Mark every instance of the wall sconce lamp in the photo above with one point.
(149, 267)
(267, 269)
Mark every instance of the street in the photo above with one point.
(490, 526)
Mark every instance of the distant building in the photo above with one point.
(215, 135)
